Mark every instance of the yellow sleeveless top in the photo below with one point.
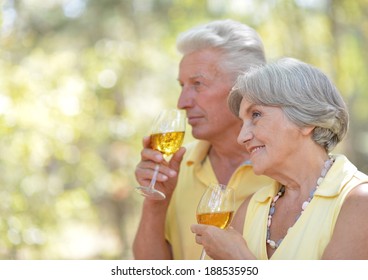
(309, 236)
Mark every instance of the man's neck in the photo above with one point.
(225, 158)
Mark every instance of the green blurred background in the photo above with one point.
(81, 80)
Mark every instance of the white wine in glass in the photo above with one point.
(167, 135)
(216, 208)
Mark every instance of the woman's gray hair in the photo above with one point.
(305, 94)
(240, 45)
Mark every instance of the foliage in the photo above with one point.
(81, 78)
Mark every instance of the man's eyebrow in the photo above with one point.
(197, 76)
(193, 77)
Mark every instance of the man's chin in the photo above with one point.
(198, 134)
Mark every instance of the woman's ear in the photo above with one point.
(307, 130)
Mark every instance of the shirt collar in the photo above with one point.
(198, 154)
(339, 174)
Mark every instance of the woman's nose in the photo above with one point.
(245, 134)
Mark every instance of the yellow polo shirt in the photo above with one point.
(196, 174)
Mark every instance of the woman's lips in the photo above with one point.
(253, 150)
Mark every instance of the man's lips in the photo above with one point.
(193, 119)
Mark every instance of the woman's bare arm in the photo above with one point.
(350, 238)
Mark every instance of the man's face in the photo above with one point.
(205, 88)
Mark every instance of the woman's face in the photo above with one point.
(269, 136)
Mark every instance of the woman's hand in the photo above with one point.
(221, 244)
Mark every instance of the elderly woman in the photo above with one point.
(293, 116)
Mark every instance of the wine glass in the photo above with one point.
(167, 135)
(216, 207)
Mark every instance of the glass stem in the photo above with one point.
(203, 254)
(154, 178)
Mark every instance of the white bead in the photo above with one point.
(305, 204)
(319, 181)
(272, 244)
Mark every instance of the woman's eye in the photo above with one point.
(256, 114)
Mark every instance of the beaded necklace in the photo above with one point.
(275, 244)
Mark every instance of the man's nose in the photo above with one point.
(186, 98)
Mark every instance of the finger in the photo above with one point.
(193, 228)
(177, 159)
(148, 153)
(165, 168)
(197, 228)
(146, 169)
(146, 141)
(198, 239)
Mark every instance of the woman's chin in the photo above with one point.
(258, 170)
